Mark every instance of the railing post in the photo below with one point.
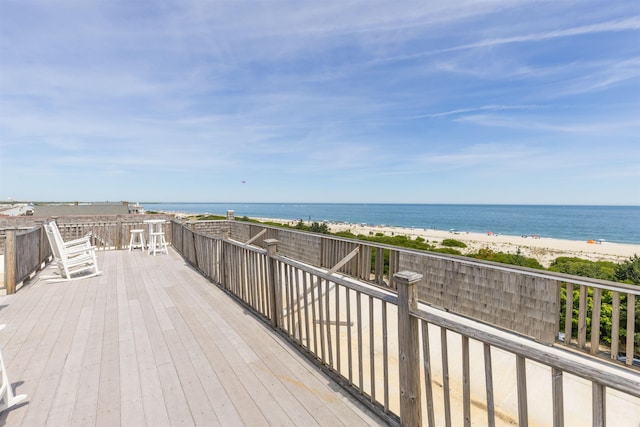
(408, 349)
(195, 249)
(44, 244)
(119, 232)
(230, 217)
(272, 268)
(10, 262)
(224, 265)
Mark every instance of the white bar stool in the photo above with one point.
(157, 242)
(137, 240)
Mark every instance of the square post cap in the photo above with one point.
(407, 277)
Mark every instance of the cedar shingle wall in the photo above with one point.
(210, 228)
(507, 299)
(300, 246)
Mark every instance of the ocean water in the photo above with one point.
(619, 224)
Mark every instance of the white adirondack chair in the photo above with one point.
(7, 398)
(72, 257)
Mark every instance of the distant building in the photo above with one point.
(136, 209)
(107, 208)
(20, 209)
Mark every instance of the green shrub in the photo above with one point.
(276, 224)
(319, 227)
(206, 217)
(453, 243)
(402, 241)
(449, 251)
(628, 271)
(604, 270)
(315, 227)
(346, 234)
(505, 258)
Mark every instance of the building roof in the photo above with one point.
(82, 209)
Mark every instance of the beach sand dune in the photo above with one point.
(544, 249)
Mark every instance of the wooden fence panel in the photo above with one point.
(25, 253)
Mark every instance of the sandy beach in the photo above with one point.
(544, 249)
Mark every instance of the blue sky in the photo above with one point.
(332, 101)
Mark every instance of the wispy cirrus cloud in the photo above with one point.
(335, 95)
(464, 111)
(628, 24)
(547, 124)
(599, 76)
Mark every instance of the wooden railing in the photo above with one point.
(350, 326)
(560, 379)
(520, 299)
(25, 252)
(523, 300)
(110, 232)
(374, 342)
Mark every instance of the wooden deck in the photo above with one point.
(151, 342)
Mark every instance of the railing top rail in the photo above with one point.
(578, 364)
(194, 221)
(341, 280)
(248, 247)
(22, 232)
(19, 228)
(114, 220)
(562, 277)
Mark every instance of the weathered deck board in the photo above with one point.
(266, 358)
(108, 403)
(156, 320)
(54, 377)
(151, 342)
(84, 411)
(130, 392)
